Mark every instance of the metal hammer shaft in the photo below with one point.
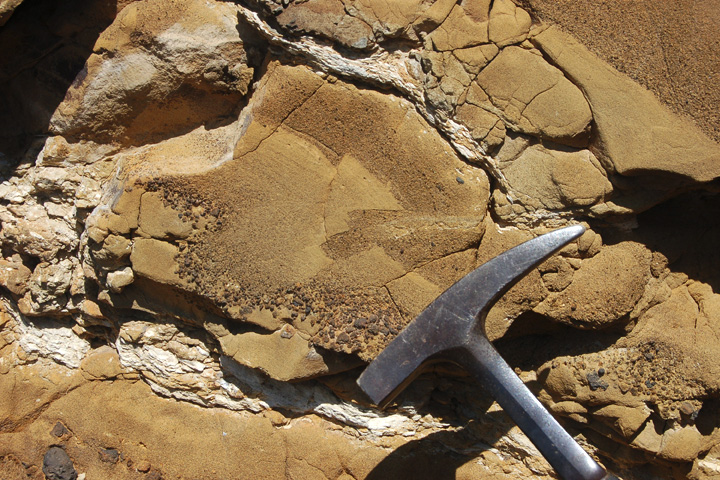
(453, 328)
(479, 358)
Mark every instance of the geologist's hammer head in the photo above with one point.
(456, 315)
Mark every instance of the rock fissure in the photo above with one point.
(242, 205)
(364, 71)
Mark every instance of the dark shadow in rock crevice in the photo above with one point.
(686, 230)
(428, 458)
(43, 47)
(532, 340)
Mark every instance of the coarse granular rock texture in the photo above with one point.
(668, 47)
(214, 214)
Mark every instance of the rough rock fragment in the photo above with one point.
(156, 260)
(32, 232)
(49, 286)
(102, 363)
(604, 289)
(361, 24)
(534, 97)
(636, 134)
(412, 293)
(685, 325)
(283, 355)
(59, 430)
(648, 438)
(109, 455)
(116, 247)
(683, 444)
(508, 23)
(14, 275)
(157, 72)
(119, 279)
(159, 221)
(328, 19)
(626, 420)
(399, 19)
(555, 179)
(485, 127)
(57, 465)
(465, 26)
(474, 59)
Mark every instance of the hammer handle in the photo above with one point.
(479, 357)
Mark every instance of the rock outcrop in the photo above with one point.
(211, 226)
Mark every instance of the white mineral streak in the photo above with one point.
(711, 466)
(225, 383)
(178, 44)
(516, 441)
(48, 338)
(380, 68)
(313, 398)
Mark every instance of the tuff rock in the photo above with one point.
(215, 214)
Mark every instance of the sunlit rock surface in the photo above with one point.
(215, 214)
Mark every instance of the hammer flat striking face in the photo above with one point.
(452, 328)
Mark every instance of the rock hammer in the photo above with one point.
(452, 328)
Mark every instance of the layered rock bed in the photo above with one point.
(215, 214)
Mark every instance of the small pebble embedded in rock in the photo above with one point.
(687, 409)
(154, 475)
(143, 466)
(109, 455)
(361, 322)
(595, 383)
(58, 466)
(59, 430)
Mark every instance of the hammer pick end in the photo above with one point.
(453, 317)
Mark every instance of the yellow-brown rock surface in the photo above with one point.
(214, 214)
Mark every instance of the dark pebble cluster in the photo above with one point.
(192, 206)
(346, 320)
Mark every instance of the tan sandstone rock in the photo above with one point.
(327, 18)
(159, 221)
(283, 355)
(155, 259)
(241, 204)
(556, 179)
(534, 97)
(171, 70)
(637, 135)
(508, 23)
(465, 26)
(626, 420)
(14, 275)
(683, 444)
(683, 324)
(603, 290)
(347, 210)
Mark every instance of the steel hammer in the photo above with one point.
(452, 328)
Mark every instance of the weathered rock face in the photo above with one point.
(139, 86)
(239, 206)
